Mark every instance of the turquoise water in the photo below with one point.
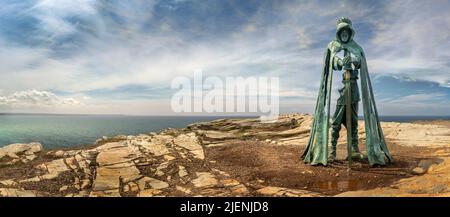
(58, 131)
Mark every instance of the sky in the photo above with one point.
(119, 57)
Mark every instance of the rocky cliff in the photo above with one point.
(229, 157)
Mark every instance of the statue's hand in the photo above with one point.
(337, 63)
(356, 62)
(347, 60)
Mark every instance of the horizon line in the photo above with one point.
(186, 115)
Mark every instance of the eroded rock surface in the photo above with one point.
(19, 152)
(174, 162)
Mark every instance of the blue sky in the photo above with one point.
(86, 56)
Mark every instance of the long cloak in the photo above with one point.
(317, 148)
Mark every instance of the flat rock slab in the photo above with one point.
(13, 192)
(217, 135)
(56, 166)
(148, 193)
(109, 146)
(20, 152)
(189, 141)
(116, 156)
(107, 193)
(285, 192)
(19, 148)
(115, 164)
(152, 183)
(204, 179)
(109, 178)
(156, 147)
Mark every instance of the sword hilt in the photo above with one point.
(347, 67)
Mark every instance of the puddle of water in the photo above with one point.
(336, 185)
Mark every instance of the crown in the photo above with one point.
(344, 20)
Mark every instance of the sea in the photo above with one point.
(65, 131)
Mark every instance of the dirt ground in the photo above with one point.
(256, 162)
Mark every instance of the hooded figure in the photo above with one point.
(317, 150)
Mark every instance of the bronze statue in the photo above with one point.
(346, 113)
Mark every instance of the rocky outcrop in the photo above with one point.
(174, 162)
(19, 152)
(414, 134)
(114, 163)
(286, 192)
(12, 192)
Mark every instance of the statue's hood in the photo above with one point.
(344, 25)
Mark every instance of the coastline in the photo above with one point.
(75, 131)
(63, 131)
(228, 157)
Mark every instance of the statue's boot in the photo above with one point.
(356, 153)
(355, 148)
(332, 156)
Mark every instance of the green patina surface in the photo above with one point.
(317, 149)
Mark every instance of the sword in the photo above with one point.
(348, 107)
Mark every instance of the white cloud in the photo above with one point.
(36, 98)
(53, 14)
(416, 104)
(412, 39)
(421, 98)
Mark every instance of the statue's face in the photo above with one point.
(345, 35)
